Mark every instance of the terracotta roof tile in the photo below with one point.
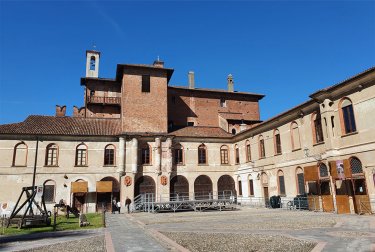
(75, 126)
(200, 131)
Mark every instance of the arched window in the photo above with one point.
(323, 170)
(296, 144)
(277, 141)
(237, 154)
(20, 155)
(281, 182)
(224, 155)
(239, 186)
(81, 155)
(49, 189)
(178, 154)
(251, 186)
(109, 155)
(52, 155)
(202, 154)
(355, 165)
(248, 151)
(146, 154)
(233, 131)
(300, 181)
(262, 150)
(316, 125)
(92, 63)
(347, 116)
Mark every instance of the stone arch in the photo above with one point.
(202, 187)
(144, 184)
(226, 185)
(179, 187)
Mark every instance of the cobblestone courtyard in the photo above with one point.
(263, 230)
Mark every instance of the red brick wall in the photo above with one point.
(144, 112)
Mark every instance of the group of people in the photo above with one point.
(116, 205)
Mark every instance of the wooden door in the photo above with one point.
(327, 201)
(342, 202)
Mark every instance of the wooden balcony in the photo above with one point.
(104, 100)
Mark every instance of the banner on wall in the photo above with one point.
(340, 169)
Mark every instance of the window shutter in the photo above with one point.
(333, 170)
(311, 173)
(347, 169)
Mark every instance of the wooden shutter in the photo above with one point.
(311, 173)
(347, 169)
(333, 169)
(79, 187)
(104, 186)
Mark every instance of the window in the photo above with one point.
(248, 151)
(323, 170)
(92, 63)
(251, 187)
(239, 187)
(317, 128)
(333, 125)
(145, 83)
(20, 155)
(224, 154)
(347, 116)
(178, 154)
(49, 191)
(277, 142)
(233, 131)
(356, 165)
(51, 155)
(145, 155)
(262, 150)
(300, 181)
(295, 136)
(237, 154)
(223, 103)
(202, 155)
(81, 155)
(109, 155)
(190, 123)
(280, 175)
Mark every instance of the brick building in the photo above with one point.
(138, 134)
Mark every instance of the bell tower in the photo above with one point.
(92, 63)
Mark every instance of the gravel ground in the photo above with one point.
(206, 242)
(92, 244)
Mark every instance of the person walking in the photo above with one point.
(118, 206)
(114, 205)
(127, 203)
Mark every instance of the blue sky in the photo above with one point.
(283, 49)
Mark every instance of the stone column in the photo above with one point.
(157, 155)
(169, 155)
(121, 165)
(134, 155)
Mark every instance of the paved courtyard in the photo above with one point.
(259, 230)
(246, 229)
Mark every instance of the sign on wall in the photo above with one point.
(340, 169)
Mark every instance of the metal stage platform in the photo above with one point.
(147, 202)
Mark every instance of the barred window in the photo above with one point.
(51, 155)
(202, 155)
(81, 155)
(251, 187)
(355, 165)
(347, 116)
(277, 142)
(239, 187)
(145, 155)
(281, 183)
(237, 154)
(178, 155)
(323, 170)
(300, 181)
(248, 151)
(49, 191)
(109, 155)
(224, 155)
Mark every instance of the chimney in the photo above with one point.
(230, 83)
(191, 80)
(60, 111)
(158, 63)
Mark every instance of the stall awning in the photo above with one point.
(79, 187)
(104, 186)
